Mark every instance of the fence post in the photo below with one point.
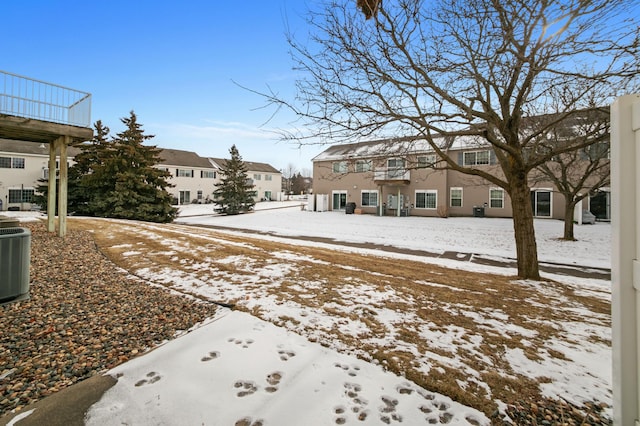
(625, 253)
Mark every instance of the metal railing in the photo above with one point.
(392, 174)
(29, 98)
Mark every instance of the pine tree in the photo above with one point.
(84, 185)
(136, 189)
(235, 193)
(81, 186)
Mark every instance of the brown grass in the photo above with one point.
(439, 299)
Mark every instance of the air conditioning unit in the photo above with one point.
(15, 257)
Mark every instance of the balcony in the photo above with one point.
(392, 176)
(36, 111)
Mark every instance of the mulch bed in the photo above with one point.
(84, 317)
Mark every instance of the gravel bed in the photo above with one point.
(84, 317)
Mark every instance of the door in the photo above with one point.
(600, 205)
(339, 200)
(541, 203)
(185, 197)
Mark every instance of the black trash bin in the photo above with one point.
(350, 208)
(478, 211)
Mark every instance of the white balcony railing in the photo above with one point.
(29, 98)
(392, 174)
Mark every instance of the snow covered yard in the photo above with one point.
(472, 333)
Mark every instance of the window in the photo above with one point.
(257, 176)
(426, 199)
(496, 198)
(595, 152)
(184, 173)
(21, 195)
(456, 197)
(474, 158)
(185, 197)
(363, 166)
(208, 174)
(395, 168)
(268, 177)
(199, 194)
(9, 163)
(18, 163)
(339, 167)
(425, 161)
(369, 198)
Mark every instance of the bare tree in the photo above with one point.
(445, 69)
(287, 177)
(580, 172)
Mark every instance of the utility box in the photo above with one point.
(15, 258)
(478, 211)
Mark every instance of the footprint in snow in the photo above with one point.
(152, 377)
(210, 356)
(246, 388)
(273, 380)
(244, 343)
(247, 421)
(286, 355)
(351, 370)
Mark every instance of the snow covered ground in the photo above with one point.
(238, 369)
(487, 236)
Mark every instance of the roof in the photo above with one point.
(566, 124)
(176, 157)
(251, 166)
(373, 149)
(31, 148)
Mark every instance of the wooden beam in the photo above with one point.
(51, 194)
(62, 197)
(20, 128)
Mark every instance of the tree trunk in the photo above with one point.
(568, 221)
(526, 248)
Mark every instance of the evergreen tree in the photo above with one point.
(234, 194)
(84, 185)
(80, 190)
(135, 189)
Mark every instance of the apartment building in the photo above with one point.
(266, 179)
(194, 178)
(405, 177)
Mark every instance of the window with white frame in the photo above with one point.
(17, 163)
(426, 199)
(257, 176)
(12, 162)
(475, 158)
(21, 195)
(268, 177)
(496, 198)
(363, 166)
(396, 167)
(184, 173)
(455, 196)
(208, 174)
(427, 160)
(339, 167)
(369, 198)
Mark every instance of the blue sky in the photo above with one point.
(173, 63)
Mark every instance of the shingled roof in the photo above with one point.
(176, 157)
(33, 148)
(251, 166)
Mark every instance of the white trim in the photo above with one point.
(426, 191)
